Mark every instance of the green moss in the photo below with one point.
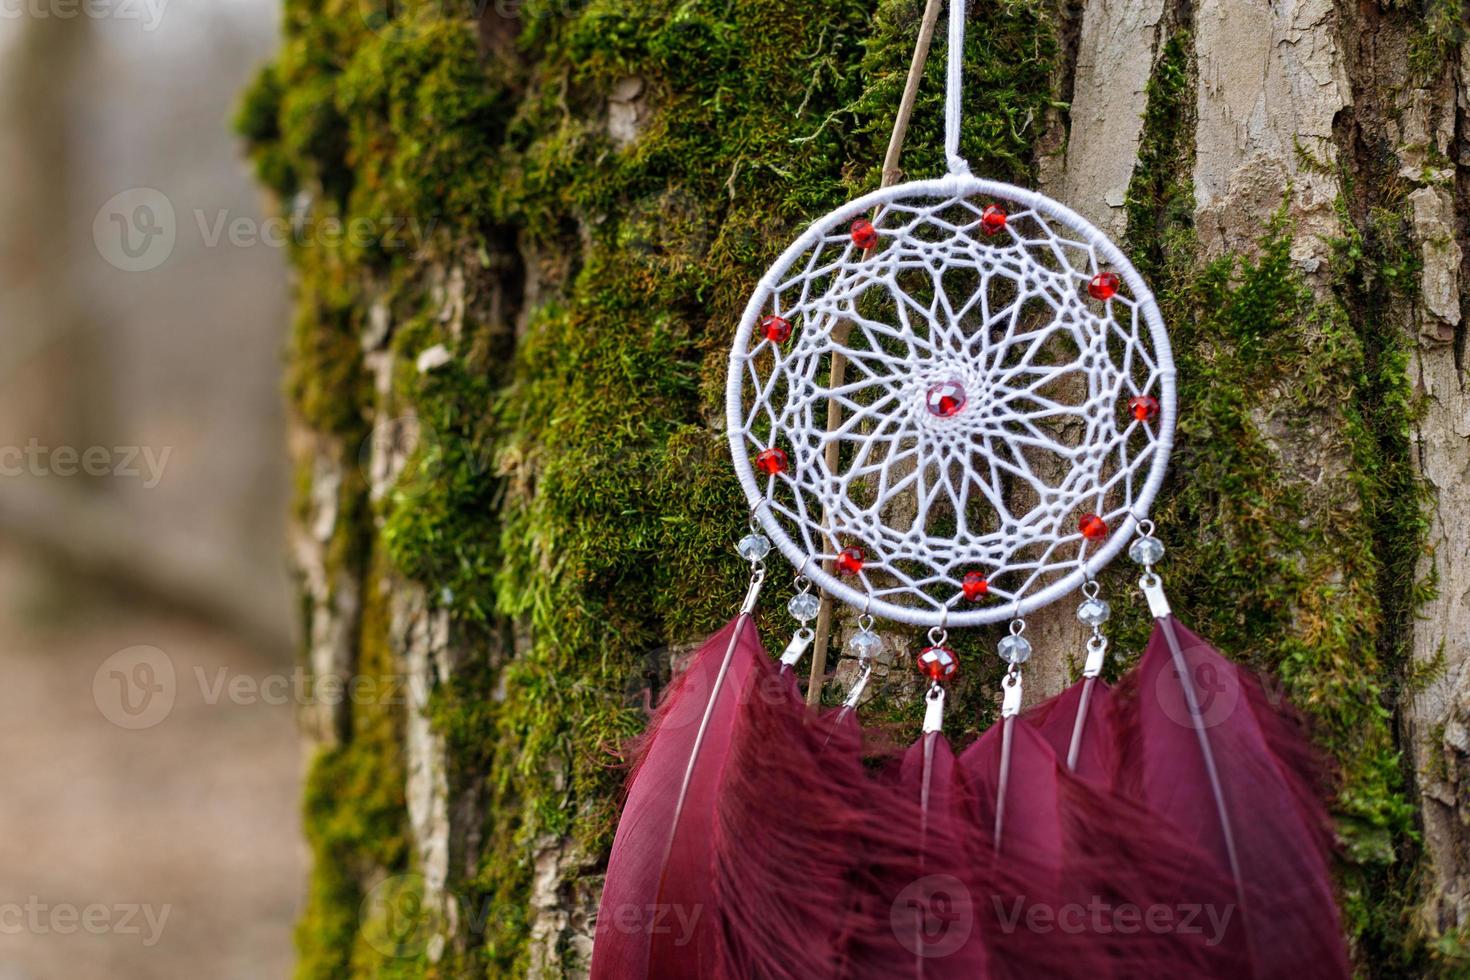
(355, 816)
(325, 380)
(1308, 573)
(1440, 30)
(1160, 198)
(573, 505)
(620, 512)
(439, 521)
(258, 120)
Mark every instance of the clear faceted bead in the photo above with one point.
(803, 606)
(754, 547)
(865, 644)
(1015, 649)
(1147, 550)
(1094, 612)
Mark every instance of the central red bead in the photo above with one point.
(1143, 407)
(938, 663)
(850, 560)
(864, 235)
(975, 586)
(945, 399)
(1093, 528)
(992, 220)
(1103, 285)
(772, 461)
(776, 329)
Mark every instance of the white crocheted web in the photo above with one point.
(1045, 434)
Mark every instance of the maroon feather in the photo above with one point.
(1016, 774)
(935, 912)
(1078, 725)
(808, 845)
(1204, 750)
(1095, 862)
(657, 918)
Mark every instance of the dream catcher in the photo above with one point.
(951, 403)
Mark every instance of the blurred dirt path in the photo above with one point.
(169, 849)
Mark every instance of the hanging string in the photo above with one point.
(953, 98)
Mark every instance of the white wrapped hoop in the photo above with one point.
(948, 310)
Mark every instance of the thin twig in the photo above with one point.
(891, 173)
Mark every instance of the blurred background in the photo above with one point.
(148, 825)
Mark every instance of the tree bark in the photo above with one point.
(515, 512)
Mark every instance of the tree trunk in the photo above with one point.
(514, 502)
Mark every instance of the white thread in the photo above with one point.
(1045, 433)
(954, 88)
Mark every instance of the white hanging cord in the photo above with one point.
(955, 87)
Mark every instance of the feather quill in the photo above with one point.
(1078, 725)
(1081, 854)
(938, 906)
(657, 918)
(1205, 751)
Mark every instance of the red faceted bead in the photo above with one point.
(864, 235)
(992, 220)
(1103, 285)
(1093, 528)
(975, 586)
(776, 329)
(1143, 407)
(938, 663)
(850, 560)
(945, 399)
(772, 461)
